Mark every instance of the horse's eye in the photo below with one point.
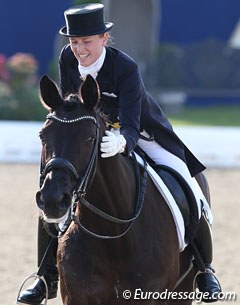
(91, 139)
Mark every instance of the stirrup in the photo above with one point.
(195, 279)
(208, 270)
(35, 276)
(217, 294)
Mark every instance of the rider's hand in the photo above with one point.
(112, 144)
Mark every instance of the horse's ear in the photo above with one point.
(89, 92)
(49, 94)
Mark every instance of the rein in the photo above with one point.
(141, 186)
(84, 181)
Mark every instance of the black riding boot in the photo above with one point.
(206, 281)
(35, 294)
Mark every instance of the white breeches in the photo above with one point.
(161, 156)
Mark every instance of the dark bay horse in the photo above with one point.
(103, 259)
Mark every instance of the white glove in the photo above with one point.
(112, 144)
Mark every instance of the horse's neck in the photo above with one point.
(115, 182)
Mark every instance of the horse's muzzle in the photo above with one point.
(54, 206)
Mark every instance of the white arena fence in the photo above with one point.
(214, 146)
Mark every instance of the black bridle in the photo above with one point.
(84, 181)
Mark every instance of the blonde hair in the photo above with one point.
(110, 41)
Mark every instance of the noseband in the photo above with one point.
(79, 191)
(62, 164)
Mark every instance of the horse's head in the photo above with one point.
(69, 146)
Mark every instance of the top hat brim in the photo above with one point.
(63, 31)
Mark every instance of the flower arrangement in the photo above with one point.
(3, 68)
(22, 69)
(23, 63)
(18, 88)
(7, 101)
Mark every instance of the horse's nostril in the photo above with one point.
(55, 205)
(39, 201)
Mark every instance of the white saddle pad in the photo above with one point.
(177, 216)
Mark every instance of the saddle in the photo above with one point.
(184, 198)
(181, 192)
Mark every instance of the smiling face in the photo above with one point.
(88, 49)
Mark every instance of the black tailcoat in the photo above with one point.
(124, 98)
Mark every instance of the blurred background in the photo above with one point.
(189, 55)
(188, 52)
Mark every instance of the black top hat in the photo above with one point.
(85, 20)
